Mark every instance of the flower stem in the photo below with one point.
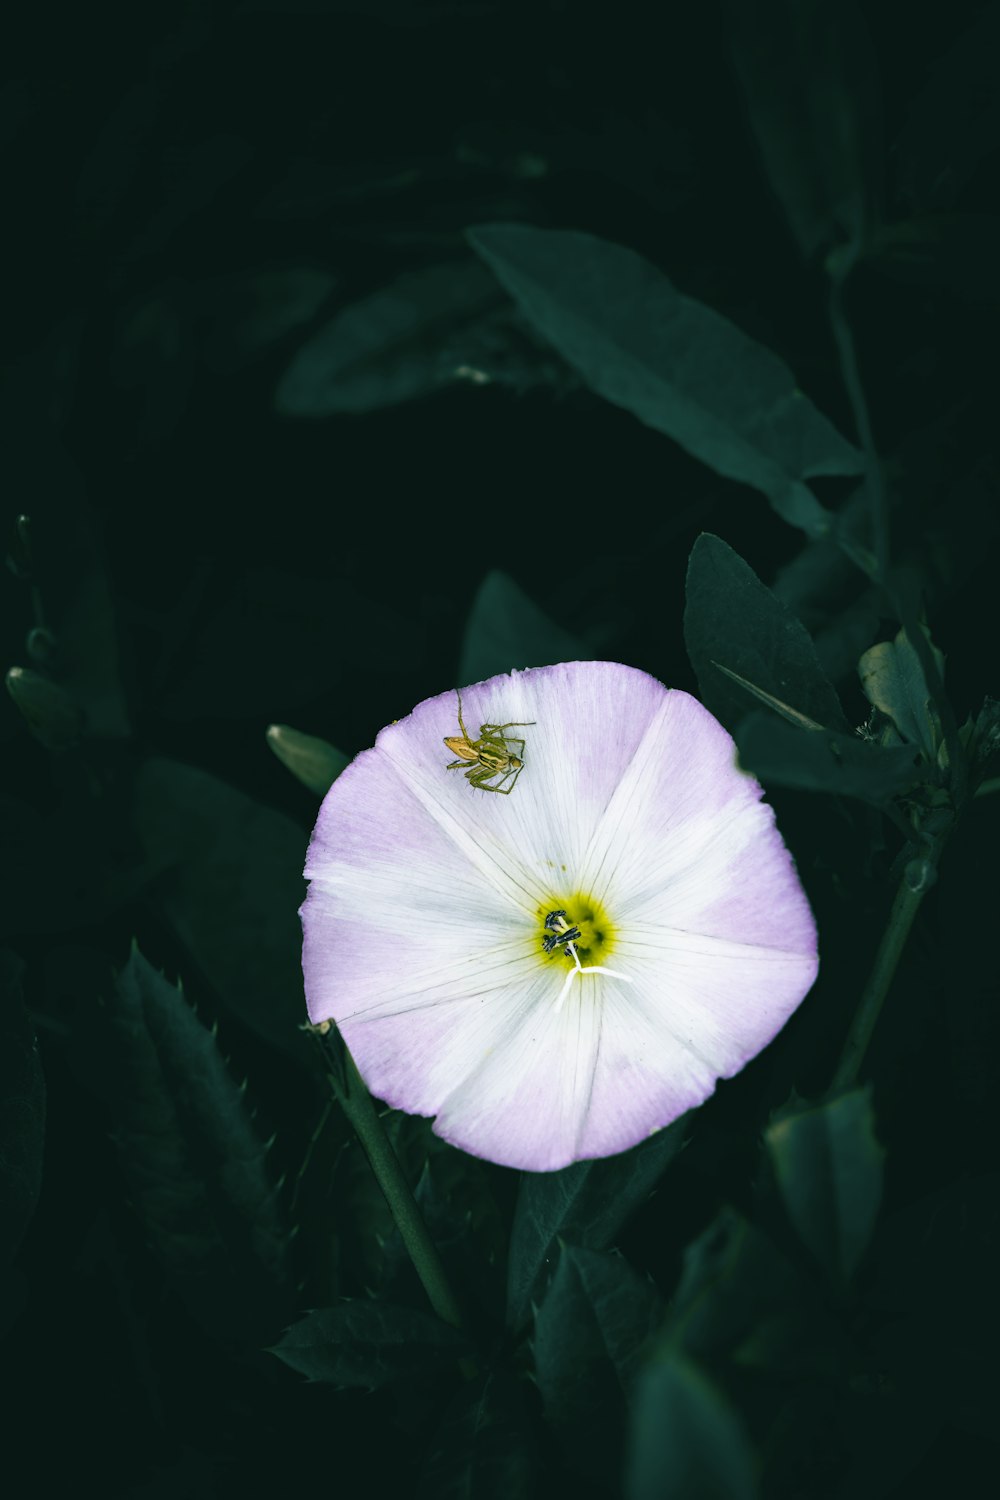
(360, 1110)
(904, 908)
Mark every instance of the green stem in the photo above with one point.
(890, 949)
(359, 1108)
(844, 339)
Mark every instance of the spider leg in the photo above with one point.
(511, 724)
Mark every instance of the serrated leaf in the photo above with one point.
(841, 764)
(229, 885)
(364, 1343)
(22, 1111)
(385, 348)
(810, 80)
(893, 681)
(507, 630)
(676, 364)
(483, 1448)
(591, 1330)
(686, 1440)
(587, 1203)
(195, 1166)
(310, 759)
(828, 1166)
(734, 627)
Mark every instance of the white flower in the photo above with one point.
(431, 934)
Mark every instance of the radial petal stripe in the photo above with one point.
(423, 935)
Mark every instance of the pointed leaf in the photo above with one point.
(506, 629)
(363, 1343)
(828, 1167)
(734, 623)
(587, 1203)
(686, 1439)
(676, 364)
(311, 760)
(894, 683)
(196, 1168)
(810, 80)
(22, 1110)
(591, 1331)
(841, 764)
(385, 348)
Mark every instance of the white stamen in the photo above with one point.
(579, 969)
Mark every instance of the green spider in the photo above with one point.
(489, 756)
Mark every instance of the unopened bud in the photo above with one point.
(920, 875)
(314, 762)
(49, 712)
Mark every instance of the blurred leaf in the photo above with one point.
(22, 1111)
(196, 1170)
(274, 640)
(841, 764)
(229, 885)
(50, 713)
(587, 1202)
(154, 362)
(676, 364)
(385, 349)
(591, 1330)
(250, 312)
(810, 79)
(894, 683)
(686, 1440)
(954, 122)
(506, 629)
(828, 1166)
(483, 1448)
(958, 253)
(311, 760)
(363, 1343)
(733, 622)
(733, 1281)
(502, 348)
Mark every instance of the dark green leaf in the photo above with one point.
(894, 683)
(230, 885)
(732, 621)
(686, 1441)
(22, 1111)
(196, 1169)
(810, 80)
(385, 348)
(954, 122)
(828, 1166)
(842, 764)
(311, 760)
(591, 1331)
(740, 1299)
(587, 1203)
(251, 312)
(676, 364)
(507, 630)
(364, 1343)
(483, 1449)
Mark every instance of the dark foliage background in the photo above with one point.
(227, 530)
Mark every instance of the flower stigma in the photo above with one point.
(583, 926)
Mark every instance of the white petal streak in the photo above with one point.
(679, 796)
